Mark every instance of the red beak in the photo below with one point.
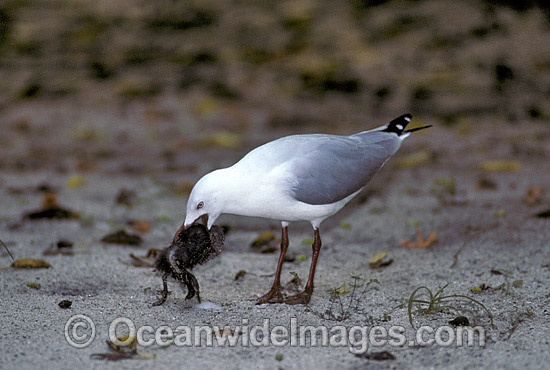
(204, 219)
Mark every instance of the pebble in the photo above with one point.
(211, 306)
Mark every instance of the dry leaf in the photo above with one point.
(75, 181)
(206, 106)
(30, 263)
(50, 209)
(377, 356)
(129, 346)
(152, 253)
(139, 261)
(63, 247)
(482, 287)
(125, 197)
(485, 183)
(263, 239)
(222, 139)
(147, 261)
(51, 213)
(49, 200)
(240, 274)
(122, 237)
(500, 271)
(121, 352)
(445, 186)
(533, 196)
(378, 260)
(141, 226)
(82, 164)
(500, 166)
(270, 248)
(420, 243)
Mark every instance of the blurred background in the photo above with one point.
(143, 86)
(115, 108)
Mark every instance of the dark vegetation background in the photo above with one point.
(142, 85)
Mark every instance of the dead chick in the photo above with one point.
(190, 247)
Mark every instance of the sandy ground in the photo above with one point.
(482, 229)
(99, 97)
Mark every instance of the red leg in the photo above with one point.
(305, 296)
(274, 295)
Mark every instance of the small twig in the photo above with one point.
(514, 325)
(268, 275)
(342, 309)
(469, 238)
(455, 257)
(7, 250)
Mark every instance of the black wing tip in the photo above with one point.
(397, 125)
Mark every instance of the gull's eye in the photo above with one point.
(200, 205)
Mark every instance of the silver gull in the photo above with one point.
(296, 178)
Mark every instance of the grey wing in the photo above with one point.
(340, 166)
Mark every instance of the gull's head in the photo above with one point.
(205, 201)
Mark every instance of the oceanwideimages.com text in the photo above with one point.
(80, 331)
